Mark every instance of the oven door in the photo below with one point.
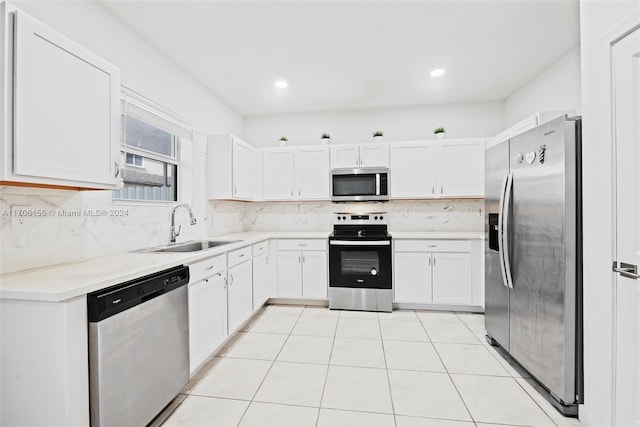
(360, 264)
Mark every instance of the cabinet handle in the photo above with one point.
(434, 260)
(299, 193)
(266, 260)
(117, 168)
(441, 189)
(433, 246)
(235, 189)
(433, 190)
(240, 256)
(291, 192)
(299, 259)
(302, 244)
(303, 259)
(231, 280)
(225, 283)
(260, 248)
(429, 259)
(206, 280)
(208, 268)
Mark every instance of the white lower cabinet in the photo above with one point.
(207, 309)
(302, 269)
(239, 294)
(435, 272)
(260, 274)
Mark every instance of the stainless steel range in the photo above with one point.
(360, 262)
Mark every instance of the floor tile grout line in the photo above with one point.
(326, 377)
(270, 367)
(535, 401)
(452, 382)
(386, 368)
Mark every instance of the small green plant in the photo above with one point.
(378, 133)
(325, 135)
(438, 130)
(283, 138)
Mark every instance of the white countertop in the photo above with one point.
(66, 281)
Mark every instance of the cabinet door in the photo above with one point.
(289, 283)
(314, 274)
(346, 156)
(374, 155)
(207, 318)
(277, 174)
(240, 300)
(412, 282)
(452, 278)
(461, 170)
(260, 280)
(312, 173)
(413, 170)
(66, 110)
(243, 170)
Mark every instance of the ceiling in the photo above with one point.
(339, 55)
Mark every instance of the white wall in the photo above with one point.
(556, 88)
(355, 126)
(601, 23)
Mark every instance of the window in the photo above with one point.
(149, 150)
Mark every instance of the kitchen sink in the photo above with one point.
(192, 246)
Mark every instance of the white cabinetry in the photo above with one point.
(277, 174)
(526, 124)
(360, 156)
(207, 309)
(296, 173)
(239, 289)
(428, 169)
(312, 173)
(60, 108)
(442, 272)
(260, 274)
(302, 269)
(231, 168)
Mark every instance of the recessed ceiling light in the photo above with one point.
(281, 83)
(437, 72)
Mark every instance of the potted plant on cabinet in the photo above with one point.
(325, 139)
(439, 132)
(377, 136)
(283, 141)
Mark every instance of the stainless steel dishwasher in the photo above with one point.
(138, 347)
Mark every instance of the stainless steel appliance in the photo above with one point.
(533, 274)
(360, 185)
(360, 262)
(138, 347)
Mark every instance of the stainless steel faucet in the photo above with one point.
(175, 233)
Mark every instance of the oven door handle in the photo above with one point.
(356, 243)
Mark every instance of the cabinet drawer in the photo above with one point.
(302, 245)
(203, 269)
(238, 256)
(433, 246)
(260, 248)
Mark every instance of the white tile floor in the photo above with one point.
(299, 366)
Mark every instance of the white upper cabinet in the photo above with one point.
(312, 173)
(300, 173)
(60, 108)
(231, 168)
(413, 170)
(277, 174)
(431, 169)
(360, 156)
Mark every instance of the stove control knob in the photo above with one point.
(339, 218)
(375, 217)
(381, 217)
(344, 217)
(374, 272)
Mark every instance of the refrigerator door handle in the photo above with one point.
(505, 231)
(503, 189)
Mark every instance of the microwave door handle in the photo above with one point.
(377, 184)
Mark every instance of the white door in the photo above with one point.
(452, 278)
(289, 278)
(277, 174)
(314, 274)
(345, 156)
(260, 280)
(312, 173)
(461, 170)
(412, 282)
(413, 170)
(626, 76)
(66, 109)
(374, 155)
(239, 295)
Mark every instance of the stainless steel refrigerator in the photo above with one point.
(533, 262)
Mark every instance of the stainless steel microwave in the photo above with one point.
(360, 185)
